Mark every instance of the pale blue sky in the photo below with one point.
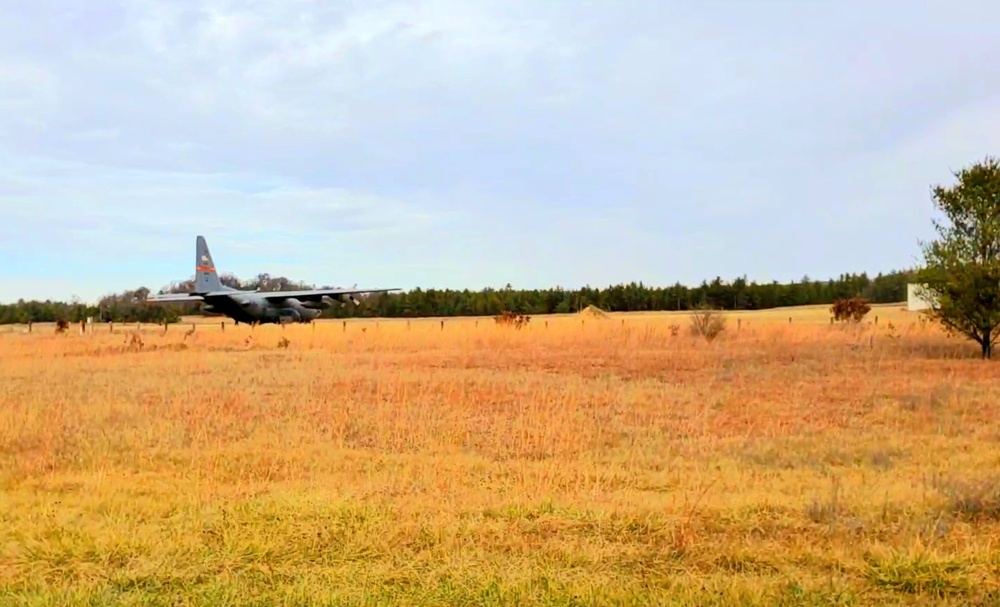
(458, 143)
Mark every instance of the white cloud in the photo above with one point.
(27, 92)
(135, 203)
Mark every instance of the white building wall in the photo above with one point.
(914, 301)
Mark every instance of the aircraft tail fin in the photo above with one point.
(205, 277)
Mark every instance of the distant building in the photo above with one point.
(915, 300)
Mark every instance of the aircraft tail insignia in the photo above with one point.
(206, 279)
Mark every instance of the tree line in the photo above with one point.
(738, 294)
(960, 275)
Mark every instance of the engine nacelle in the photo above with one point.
(288, 315)
(327, 301)
(292, 303)
(295, 311)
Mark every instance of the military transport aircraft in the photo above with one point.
(256, 307)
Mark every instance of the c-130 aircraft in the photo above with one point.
(256, 307)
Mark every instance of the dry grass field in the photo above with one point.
(578, 461)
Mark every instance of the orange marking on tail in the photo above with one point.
(205, 268)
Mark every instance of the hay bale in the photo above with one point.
(593, 311)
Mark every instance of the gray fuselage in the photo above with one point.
(252, 308)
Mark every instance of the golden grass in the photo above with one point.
(573, 462)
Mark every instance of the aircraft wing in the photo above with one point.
(174, 298)
(316, 294)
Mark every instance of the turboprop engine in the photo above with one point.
(328, 302)
(295, 311)
(348, 298)
(308, 310)
(315, 305)
(287, 315)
